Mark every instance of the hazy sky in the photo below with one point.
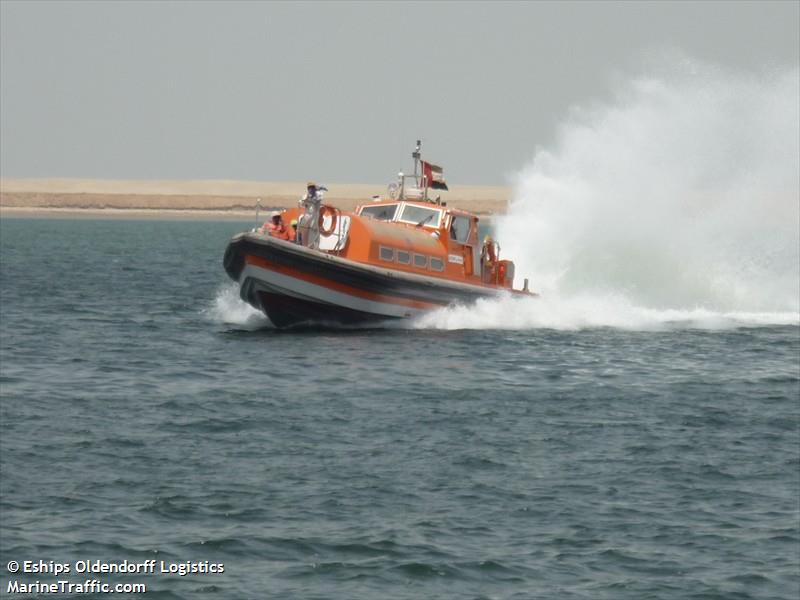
(335, 91)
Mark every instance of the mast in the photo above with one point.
(419, 175)
(415, 155)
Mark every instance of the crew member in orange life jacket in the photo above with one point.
(275, 227)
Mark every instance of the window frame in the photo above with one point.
(460, 218)
(367, 207)
(434, 225)
(380, 253)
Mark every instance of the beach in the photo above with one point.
(201, 199)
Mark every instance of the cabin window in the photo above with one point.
(387, 253)
(381, 212)
(403, 257)
(459, 229)
(437, 264)
(420, 261)
(421, 215)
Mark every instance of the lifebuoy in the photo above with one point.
(325, 211)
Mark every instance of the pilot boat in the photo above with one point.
(394, 257)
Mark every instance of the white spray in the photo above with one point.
(677, 204)
(228, 308)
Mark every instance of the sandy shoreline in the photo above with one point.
(199, 199)
(35, 212)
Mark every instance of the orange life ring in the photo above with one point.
(327, 210)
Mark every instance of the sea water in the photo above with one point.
(147, 413)
(632, 433)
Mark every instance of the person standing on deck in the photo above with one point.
(488, 260)
(308, 225)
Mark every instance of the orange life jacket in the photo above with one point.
(279, 231)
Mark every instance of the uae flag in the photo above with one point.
(434, 176)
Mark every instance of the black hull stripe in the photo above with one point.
(285, 311)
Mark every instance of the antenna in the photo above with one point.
(415, 155)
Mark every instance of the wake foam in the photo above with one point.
(228, 308)
(676, 205)
(590, 311)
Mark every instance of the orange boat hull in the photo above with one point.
(294, 285)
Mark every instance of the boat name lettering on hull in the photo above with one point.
(455, 258)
